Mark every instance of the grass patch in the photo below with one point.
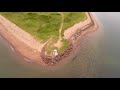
(41, 25)
(51, 48)
(65, 45)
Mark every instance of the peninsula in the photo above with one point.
(45, 37)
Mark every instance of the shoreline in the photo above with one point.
(19, 47)
(27, 52)
(74, 40)
(76, 50)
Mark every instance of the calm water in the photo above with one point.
(99, 55)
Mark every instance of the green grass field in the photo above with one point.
(43, 25)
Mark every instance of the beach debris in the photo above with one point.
(55, 53)
(12, 48)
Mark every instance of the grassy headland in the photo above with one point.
(45, 25)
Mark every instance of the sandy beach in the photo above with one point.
(27, 46)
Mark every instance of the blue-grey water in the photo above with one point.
(99, 55)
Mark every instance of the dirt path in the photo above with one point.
(61, 27)
(59, 42)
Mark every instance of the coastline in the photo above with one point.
(76, 50)
(19, 47)
(28, 53)
(74, 41)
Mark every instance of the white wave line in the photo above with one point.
(12, 48)
(27, 60)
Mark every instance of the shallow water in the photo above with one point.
(99, 55)
(111, 21)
